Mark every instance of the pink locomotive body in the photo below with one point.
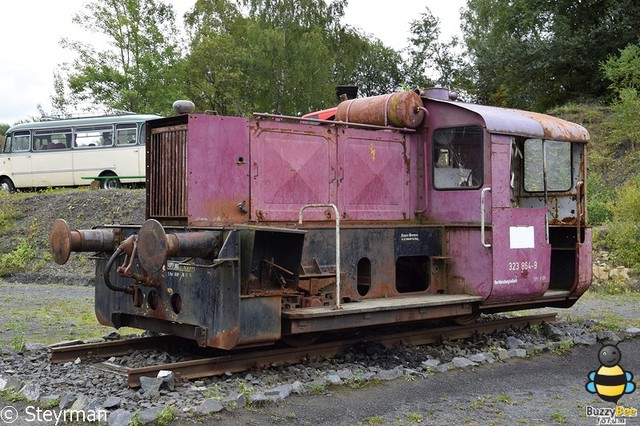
(280, 228)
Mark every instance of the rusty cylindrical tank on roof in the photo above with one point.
(401, 109)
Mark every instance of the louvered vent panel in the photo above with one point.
(168, 173)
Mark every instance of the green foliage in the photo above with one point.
(536, 55)
(19, 258)
(564, 347)
(141, 72)
(3, 129)
(623, 234)
(432, 62)
(282, 57)
(378, 70)
(623, 70)
(625, 124)
(599, 197)
(8, 216)
(12, 395)
(559, 417)
(166, 416)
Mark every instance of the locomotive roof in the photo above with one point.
(524, 123)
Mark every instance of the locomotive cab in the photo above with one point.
(403, 208)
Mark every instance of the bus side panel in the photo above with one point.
(53, 169)
(129, 161)
(90, 162)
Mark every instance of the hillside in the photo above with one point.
(25, 220)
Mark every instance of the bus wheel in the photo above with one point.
(6, 185)
(110, 183)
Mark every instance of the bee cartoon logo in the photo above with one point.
(610, 381)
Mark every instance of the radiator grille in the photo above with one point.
(167, 171)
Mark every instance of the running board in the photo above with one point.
(370, 312)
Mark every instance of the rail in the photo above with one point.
(243, 359)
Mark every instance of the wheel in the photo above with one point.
(111, 183)
(467, 319)
(6, 185)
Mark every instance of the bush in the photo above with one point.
(17, 259)
(599, 196)
(623, 236)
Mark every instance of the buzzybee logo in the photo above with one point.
(610, 381)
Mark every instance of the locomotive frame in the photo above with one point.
(280, 228)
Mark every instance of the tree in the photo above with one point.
(433, 62)
(538, 54)
(141, 69)
(623, 70)
(280, 56)
(379, 70)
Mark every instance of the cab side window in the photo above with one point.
(457, 158)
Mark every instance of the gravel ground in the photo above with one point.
(367, 386)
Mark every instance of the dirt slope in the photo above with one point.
(29, 216)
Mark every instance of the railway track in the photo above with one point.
(207, 363)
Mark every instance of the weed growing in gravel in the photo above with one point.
(50, 404)
(565, 347)
(479, 402)
(12, 395)
(374, 420)
(535, 329)
(213, 392)
(503, 398)
(247, 390)
(318, 389)
(17, 337)
(559, 417)
(8, 216)
(415, 417)
(17, 259)
(166, 416)
(136, 419)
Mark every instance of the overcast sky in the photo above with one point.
(32, 30)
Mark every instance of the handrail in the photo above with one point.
(307, 206)
(579, 209)
(482, 212)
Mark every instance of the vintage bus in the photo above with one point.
(73, 152)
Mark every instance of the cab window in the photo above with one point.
(557, 156)
(457, 158)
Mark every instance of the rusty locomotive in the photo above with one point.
(396, 209)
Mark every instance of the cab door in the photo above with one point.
(521, 254)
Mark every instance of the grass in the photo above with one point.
(48, 314)
(565, 347)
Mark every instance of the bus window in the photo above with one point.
(51, 139)
(126, 134)
(93, 136)
(7, 144)
(21, 142)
